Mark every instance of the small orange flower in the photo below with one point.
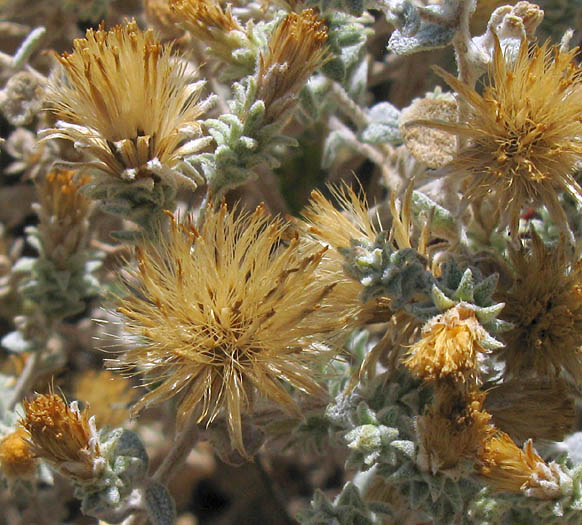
(16, 457)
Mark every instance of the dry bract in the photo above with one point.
(128, 103)
(226, 313)
(523, 134)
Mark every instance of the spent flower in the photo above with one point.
(522, 133)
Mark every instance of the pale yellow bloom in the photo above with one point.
(228, 313)
(129, 104)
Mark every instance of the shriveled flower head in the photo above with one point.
(536, 409)
(545, 306)
(453, 429)
(449, 347)
(523, 134)
(16, 457)
(128, 103)
(63, 436)
(297, 47)
(508, 468)
(225, 313)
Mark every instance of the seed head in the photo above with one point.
(536, 409)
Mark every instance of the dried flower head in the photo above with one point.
(161, 17)
(16, 457)
(226, 313)
(208, 22)
(128, 103)
(63, 213)
(508, 468)
(450, 347)
(454, 428)
(523, 133)
(545, 306)
(536, 409)
(63, 436)
(297, 47)
(108, 395)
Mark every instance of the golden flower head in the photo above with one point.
(449, 348)
(226, 313)
(537, 409)
(128, 103)
(508, 468)
(16, 457)
(63, 436)
(545, 306)
(523, 134)
(297, 47)
(205, 19)
(453, 429)
(324, 225)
